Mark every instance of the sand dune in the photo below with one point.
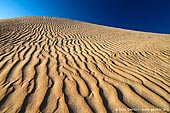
(56, 65)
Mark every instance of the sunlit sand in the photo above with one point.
(56, 65)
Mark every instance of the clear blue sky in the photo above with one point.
(142, 15)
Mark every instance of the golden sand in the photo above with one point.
(55, 65)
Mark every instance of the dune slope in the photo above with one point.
(56, 65)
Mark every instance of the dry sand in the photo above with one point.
(55, 65)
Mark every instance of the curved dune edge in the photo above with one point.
(56, 65)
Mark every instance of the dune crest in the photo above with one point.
(56, 65)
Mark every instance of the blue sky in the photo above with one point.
(141, 15)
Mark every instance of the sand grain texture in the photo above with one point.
(55, 65)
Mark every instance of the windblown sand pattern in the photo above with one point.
(55, 65)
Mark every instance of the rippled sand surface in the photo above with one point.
(55, 65)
